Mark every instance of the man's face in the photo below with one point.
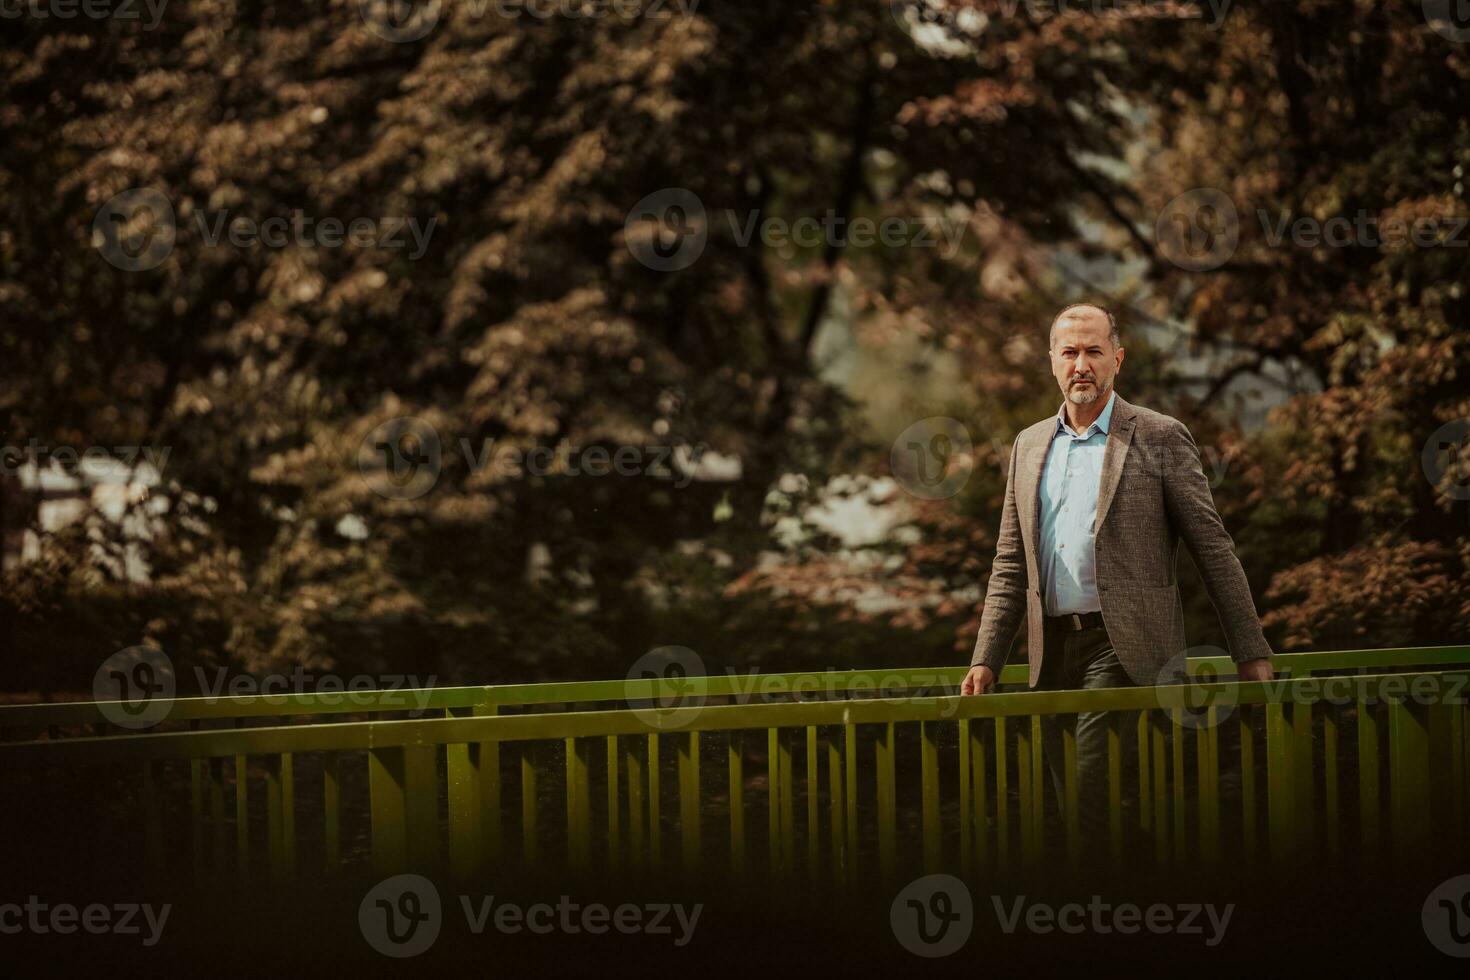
(1083, 358)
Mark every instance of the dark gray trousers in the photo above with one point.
(1083, 660)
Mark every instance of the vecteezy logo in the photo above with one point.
(667, 230)
(1189, 703)
(1448, 452)
(136, 230)
(1446, 917)
(933, 916)
(134, 688)
(401, 459)
(401, 916)
(1199, 230)
(1450, 19)
(933, 458)
(400, 21)
(662, 681)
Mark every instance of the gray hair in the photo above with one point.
(1113, 334)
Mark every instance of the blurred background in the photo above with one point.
(291, 293)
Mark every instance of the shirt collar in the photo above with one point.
(1103, 423)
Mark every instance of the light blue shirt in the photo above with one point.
(1069, 487)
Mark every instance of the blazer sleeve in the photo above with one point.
(1192, 510)
(1005, 596)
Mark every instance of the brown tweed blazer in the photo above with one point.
(1153, 494)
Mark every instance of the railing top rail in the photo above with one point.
(589, 692)
(591, 724)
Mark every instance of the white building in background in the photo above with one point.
(116, 501)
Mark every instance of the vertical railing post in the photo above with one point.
(274, 818)
(1281, 792)
(655, 805)
(979, 791)
(465, 840)
(1071, 815)
(280, 802)
(813, 797)
(1454, 764)
(1446, 790)
(1248, 785)
(1115, 722)
(614, 810)
(388, 808)
(1039, 780)
(1023, 787)
(404, 803)
(887, 803)
(530, 804)
(1160, 787)
(579, 807)
(1002, 799)
(420, 771)
(242, 817)
(1145, 804)
(773, 799)
(1207, 747)
(689, 803)
(1179, 785)
(220, 836)
(736, 761)
(837, 833)
(1370, 791)
(1409, 784)
(929, 774)
(288, 811)
(152, 820)
(196, 811)
(851, 821)
(1330, 796)
(487, 768)
(963, 785)
(788, 806)
(1303, 713)
(332, 810)
(636, 815)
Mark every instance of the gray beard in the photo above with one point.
(1078, 397)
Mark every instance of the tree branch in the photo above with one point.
(850, 185)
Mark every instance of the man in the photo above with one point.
(1097, 501)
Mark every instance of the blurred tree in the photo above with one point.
(521, 316)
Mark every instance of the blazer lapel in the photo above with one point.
(1028, 488)
(1120, 436)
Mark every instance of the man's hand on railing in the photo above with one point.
(978, 680)
(1255, 670)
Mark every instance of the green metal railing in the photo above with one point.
(1374, 762)
(57, 718)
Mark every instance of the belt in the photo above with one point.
(1076, 622)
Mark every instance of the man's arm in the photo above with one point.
(1192, 509)
(1005, 596)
